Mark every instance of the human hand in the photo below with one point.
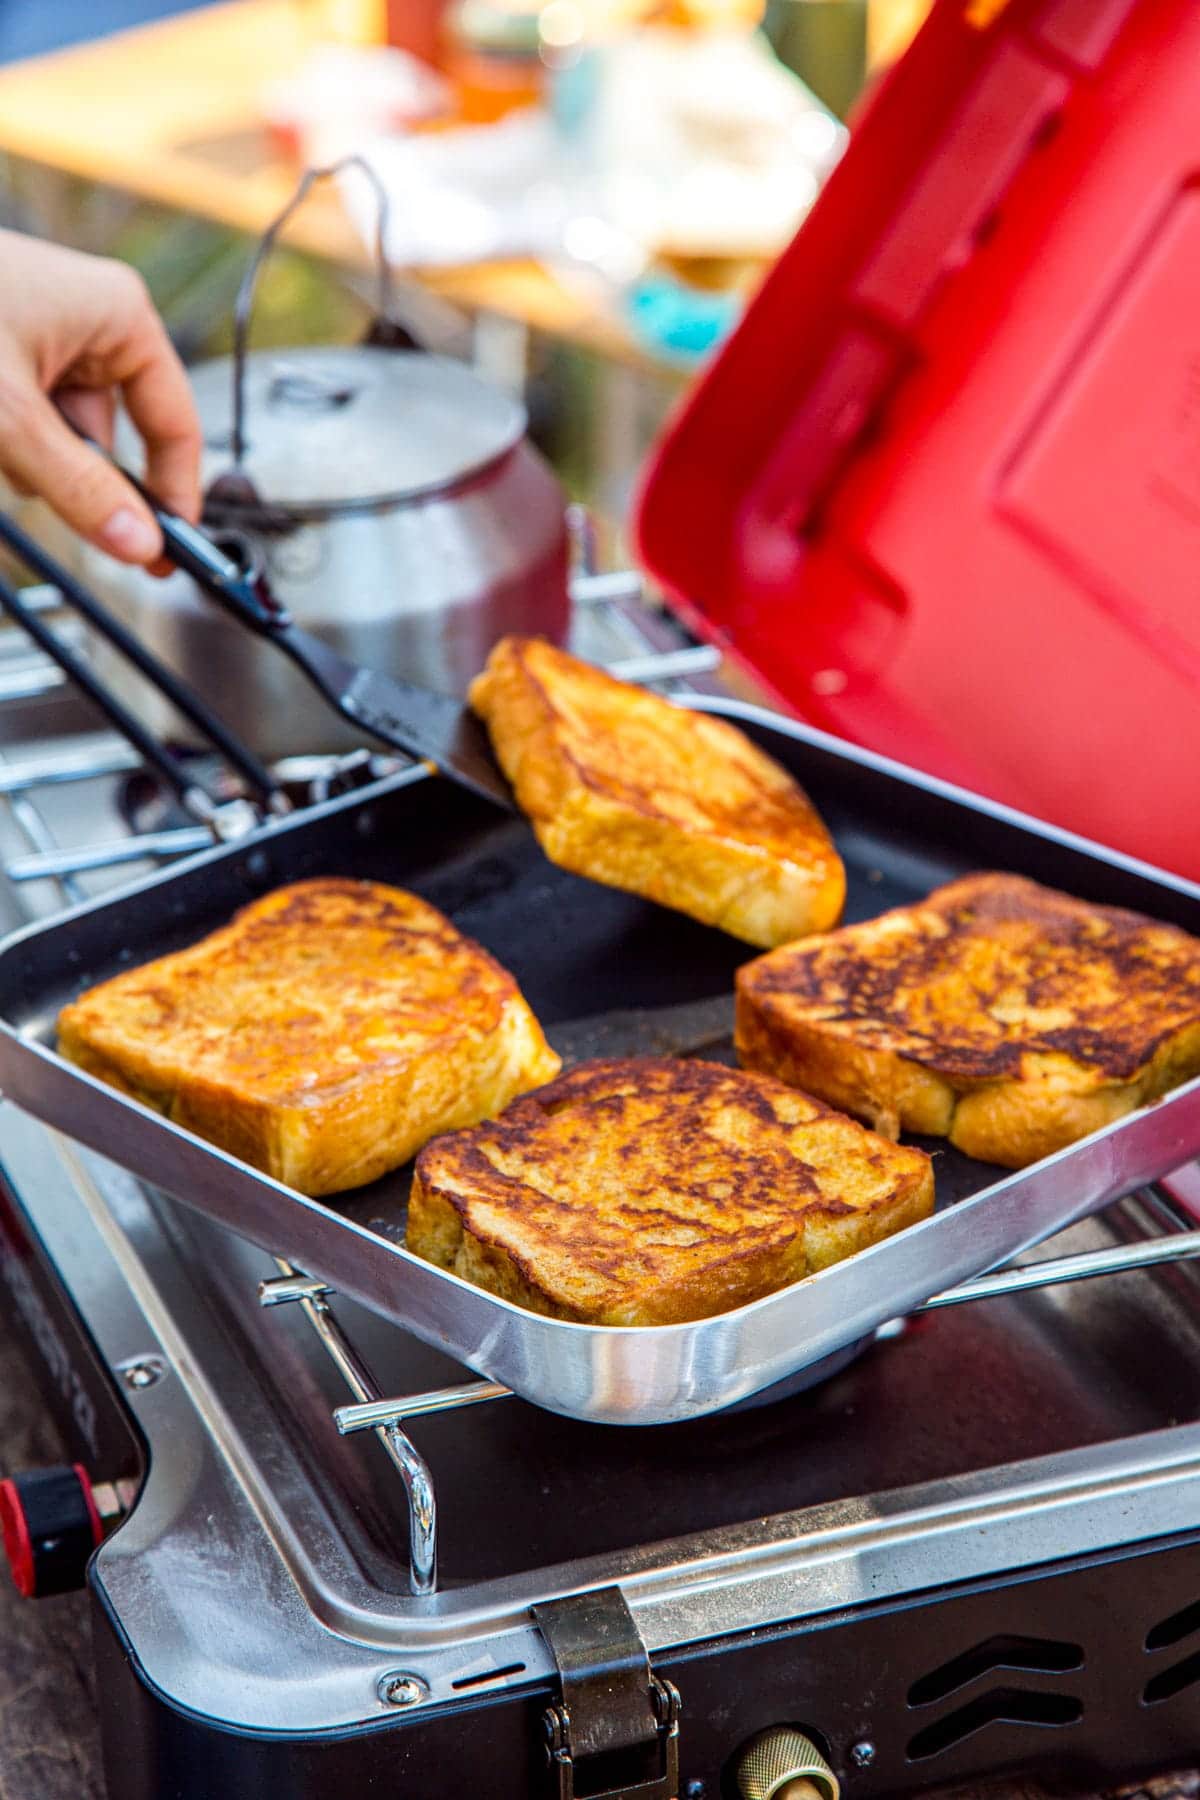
(74, 331)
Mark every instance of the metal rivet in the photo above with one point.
(398, 1688)
(862, 1754)
(142, 1372)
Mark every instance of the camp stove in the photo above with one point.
(974, 1550)
(949, 455)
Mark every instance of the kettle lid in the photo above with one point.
(335, 427)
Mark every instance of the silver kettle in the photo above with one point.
(397, 509)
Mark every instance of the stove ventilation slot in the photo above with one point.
(1003, 1706)
(1037, 1656)
(1169, 1682)
(1174, 1629)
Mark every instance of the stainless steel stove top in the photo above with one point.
(264, 1575)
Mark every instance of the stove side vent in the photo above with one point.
(1001, 1706)
(1174, 1628)
(1169, 1682)
(1178, 1676)
(1035, 1656)
(1007, 1704)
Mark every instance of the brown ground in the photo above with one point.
(49, 1744)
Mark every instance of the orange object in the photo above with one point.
(493, 58)
(488, 88)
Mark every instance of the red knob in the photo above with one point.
(50, 1526)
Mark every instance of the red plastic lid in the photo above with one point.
(941, 490)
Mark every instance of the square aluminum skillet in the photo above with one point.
(579, 949)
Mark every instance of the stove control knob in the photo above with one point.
(50, 1525)
(783, 1764)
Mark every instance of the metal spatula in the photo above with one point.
(433, 727)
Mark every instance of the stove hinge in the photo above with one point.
(615, 1715)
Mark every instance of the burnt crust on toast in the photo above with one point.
(1001, 1014)
(647, 1191)
(323, 1035)
(626, 788)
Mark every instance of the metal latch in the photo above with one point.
(613, 1707)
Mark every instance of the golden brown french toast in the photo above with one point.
(324, 1035)
(624, 787)
(1003, 1015)
(643, 1192)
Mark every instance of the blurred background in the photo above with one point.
(581, 192)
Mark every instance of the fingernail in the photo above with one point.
(128, 534)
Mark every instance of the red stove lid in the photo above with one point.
(941, 490)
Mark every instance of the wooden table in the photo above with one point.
(170, 113)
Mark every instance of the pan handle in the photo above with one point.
(1182, 1246)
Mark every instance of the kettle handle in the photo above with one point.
(384, 330)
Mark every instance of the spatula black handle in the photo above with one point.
(193, 551)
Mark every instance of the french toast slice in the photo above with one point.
(624, 787)
(324, 1035)
(998, 1013)
(647, 1191)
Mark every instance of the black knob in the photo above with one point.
(50, 1527)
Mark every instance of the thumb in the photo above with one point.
(42, 454)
